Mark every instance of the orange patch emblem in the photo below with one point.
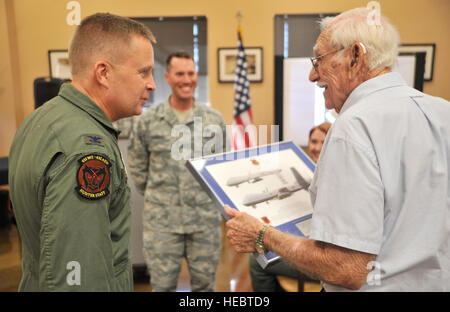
(93, 176)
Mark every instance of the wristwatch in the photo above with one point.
(259, 244)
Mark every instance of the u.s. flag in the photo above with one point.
(243, 131)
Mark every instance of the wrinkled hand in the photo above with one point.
(242, 230)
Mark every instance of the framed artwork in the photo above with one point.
(268, 182)
(59, 64)
(227, 64)
(428, 49)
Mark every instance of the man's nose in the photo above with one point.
(151, 84)
(313, 75)
(186, 79)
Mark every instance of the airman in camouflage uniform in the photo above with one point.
(179, 218)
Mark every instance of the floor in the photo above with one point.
(232, 274)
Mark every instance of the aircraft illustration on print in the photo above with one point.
(280, 193)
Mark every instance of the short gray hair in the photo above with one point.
(381, 41)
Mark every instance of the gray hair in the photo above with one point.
(380, 39)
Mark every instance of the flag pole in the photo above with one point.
(243, 131)
(239, 16)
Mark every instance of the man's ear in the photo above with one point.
(358, 51)
(102, 72)
(358, 62)
(166, 75)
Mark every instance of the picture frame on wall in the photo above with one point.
(428, 49)
(58, 61)
(227, 64)
(269, 182)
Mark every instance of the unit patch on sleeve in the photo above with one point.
(93, 176)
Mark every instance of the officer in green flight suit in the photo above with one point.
(67, 180)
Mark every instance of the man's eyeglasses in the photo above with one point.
(314, 60)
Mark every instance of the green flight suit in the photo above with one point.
(70, 197)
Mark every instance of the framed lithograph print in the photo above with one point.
(268, 182)
(227, 64)
(59, 64)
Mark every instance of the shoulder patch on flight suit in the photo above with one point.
(92, 139)
(93, 176)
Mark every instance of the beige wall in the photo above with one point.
(7, 105)
(32, 27)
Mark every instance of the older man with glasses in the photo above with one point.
(381, 190)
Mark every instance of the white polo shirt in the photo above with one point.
(382, 185)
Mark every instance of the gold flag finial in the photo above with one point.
(239, 17)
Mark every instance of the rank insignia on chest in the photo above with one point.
(93, 176)
(92, 139)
